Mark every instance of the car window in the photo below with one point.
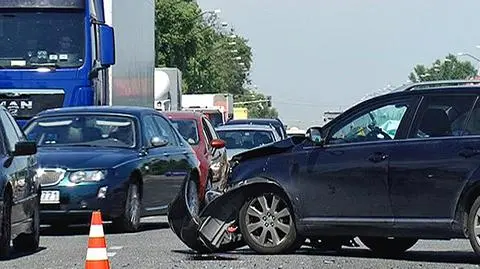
(208, 132)
(19, 131)
(150, 129)
(10, 133)
(166, 130)
(473, 125)
(245, 139)
(83, 129)
(441, 116)
(379, 123)
(188, 129)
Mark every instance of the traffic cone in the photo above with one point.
(97, 247)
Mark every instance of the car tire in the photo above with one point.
(255, 222)
(30, 242)
(193, 200)
(130, 219)
(6, 226)
(472, 222)
(388, 246)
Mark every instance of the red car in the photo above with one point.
(210, 150)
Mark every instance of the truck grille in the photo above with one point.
(48, 177)
(24, 104)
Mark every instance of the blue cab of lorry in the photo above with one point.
(54, 53)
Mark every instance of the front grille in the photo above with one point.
(48, 177)
(24, 104)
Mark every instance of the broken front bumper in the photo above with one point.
(213, 228)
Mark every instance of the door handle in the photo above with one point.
(469, 152)
(166, 154)
(377, 157)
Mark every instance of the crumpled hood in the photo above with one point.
(269, 149)
(83, 157)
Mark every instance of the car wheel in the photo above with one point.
(6, 226)
(130, 220)
(388, 246)
(267, 224)
(31, 241)
(473, 226)
(193, 201)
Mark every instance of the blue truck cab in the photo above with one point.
(54, 53)
(62, 53)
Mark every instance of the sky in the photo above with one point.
(314, 56)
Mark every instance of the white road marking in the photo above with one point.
(115, 248)
(111, 254)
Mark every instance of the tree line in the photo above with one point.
(212, 58)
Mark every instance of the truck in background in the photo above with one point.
(217, 107)
(240, 113)
(61, 53)
(168, 89)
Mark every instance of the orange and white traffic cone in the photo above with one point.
(97, 247)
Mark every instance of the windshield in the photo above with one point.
(215, 118)
(87, 130)
(245, 139)
(47, 38)
(188, 129)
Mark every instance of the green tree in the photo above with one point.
(256, 104)
(446, 69)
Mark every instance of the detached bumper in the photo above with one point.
(208, 231)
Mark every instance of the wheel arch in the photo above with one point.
(465, 202)
(137, 178)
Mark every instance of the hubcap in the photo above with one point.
(476, 226)
(134, 207)
(268, 220)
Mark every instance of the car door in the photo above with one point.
(156, 166)
(175, 157)
(19, 166)
(429, 169)
(345, 180)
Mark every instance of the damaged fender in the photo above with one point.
(209, 231)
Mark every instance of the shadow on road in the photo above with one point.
(455, 257)
(17, 254)
(108, 229)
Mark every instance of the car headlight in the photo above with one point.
(87, 176)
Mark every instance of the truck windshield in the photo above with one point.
(41, 38)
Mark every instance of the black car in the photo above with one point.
(19, 189)
(127, 162)
(276, 123)
(391, 170)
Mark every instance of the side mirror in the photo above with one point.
(25, 148)
(217, 143)
(158, 142)
(107, 45)
(314, 134)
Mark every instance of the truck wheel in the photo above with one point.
(267, 224)
(6, 226)
(31, 241)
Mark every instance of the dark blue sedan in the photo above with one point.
(128, 162)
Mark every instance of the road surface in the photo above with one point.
(157, 247)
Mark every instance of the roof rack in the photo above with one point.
(437, 83)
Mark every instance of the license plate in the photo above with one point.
(50, 197)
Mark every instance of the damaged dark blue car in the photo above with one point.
(391, 170)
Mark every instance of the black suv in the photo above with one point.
(391, 170)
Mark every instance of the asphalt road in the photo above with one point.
(157, 247)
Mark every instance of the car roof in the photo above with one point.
(132, 110)
(182, 114)
(245, 127)
(254, 120)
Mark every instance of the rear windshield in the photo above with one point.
(245, 139)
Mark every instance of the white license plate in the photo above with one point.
(50, 197)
